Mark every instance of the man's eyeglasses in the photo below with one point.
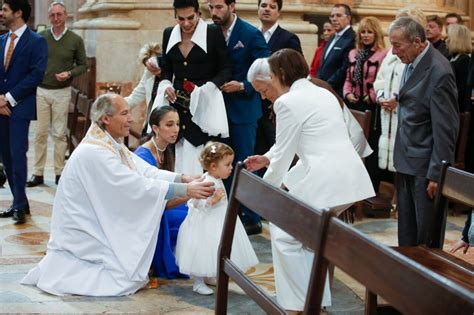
(337, 15)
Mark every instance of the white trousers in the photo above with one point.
(292, 264)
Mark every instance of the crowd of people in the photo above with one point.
(220, 93)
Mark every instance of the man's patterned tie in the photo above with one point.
(10, 50)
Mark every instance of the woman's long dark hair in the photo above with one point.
(155, 119)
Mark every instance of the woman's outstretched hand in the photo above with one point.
(256, 162)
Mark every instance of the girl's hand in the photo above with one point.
(218, 195)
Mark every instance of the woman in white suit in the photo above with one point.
(328, 174)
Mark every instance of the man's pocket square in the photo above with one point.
(337, 48)
(238, 45)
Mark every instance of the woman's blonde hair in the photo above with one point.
(459, 39)
(414, 12)
(371, 24)
(213, 152)
(149, 50)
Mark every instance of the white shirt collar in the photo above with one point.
(421, 55)
(19, 31)
(199, 36)
(344, 30)
(268, 34)
(231, 28)
(60, 35)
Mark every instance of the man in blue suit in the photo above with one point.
(245, 43)
(335, 59)
(277, 38)
(24, 56)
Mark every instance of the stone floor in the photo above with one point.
(21, 247)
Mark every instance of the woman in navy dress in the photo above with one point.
(158, 151)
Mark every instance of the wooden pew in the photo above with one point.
(81, 122)
(410, 287)
(454, 185)
(407, 285)
(304, 223)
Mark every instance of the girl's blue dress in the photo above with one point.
(164, 262)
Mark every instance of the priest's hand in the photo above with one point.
(200, 190)
(191, 178)
(256, 162)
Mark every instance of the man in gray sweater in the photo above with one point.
(66, 60)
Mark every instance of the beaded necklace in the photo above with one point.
(159, 152)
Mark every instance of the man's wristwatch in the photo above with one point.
(242, 86)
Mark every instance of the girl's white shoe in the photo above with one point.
(202, 288)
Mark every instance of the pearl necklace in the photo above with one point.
(159, 152)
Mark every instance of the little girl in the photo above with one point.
(200, 233)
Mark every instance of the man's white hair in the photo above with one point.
(259, 70)
(103, 105)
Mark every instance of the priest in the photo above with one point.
(107, 212)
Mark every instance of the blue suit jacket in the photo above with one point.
(246, 43)
(282, 38)
(334, 67)
(25, 72)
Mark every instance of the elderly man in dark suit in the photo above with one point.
(24, 56)
(335, 60)
(428, 124)
(276, 38)
(245, 43)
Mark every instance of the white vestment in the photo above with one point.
(328, 174)
(105, 222)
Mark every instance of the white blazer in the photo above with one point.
(310, 124)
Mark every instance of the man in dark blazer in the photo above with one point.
(24, 56)
(428, 124)
(245, 43)
(335, 60)
(276, 38)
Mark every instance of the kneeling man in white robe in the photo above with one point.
(107, 212)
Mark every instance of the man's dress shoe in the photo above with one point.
(35, 181)
(9, 212)
(19, 216)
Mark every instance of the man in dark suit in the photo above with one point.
(24, 56)
(276, 38)
(335, 60)
(428, 124)
(245, 43)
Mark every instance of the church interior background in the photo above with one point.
(113, 32)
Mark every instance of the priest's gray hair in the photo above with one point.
(259, 70)
(103, 105)
(409, 27)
